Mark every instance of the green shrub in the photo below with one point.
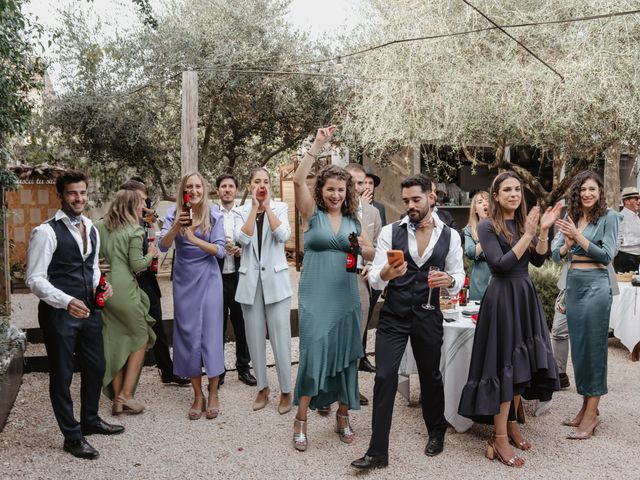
(545, 280)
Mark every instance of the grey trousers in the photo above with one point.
(560, 340)
(363, 289)
(277, 318)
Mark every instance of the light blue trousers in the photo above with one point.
(276, 317)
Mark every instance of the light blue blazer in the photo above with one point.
(271, 268)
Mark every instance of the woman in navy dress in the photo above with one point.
(512, 353)
(197, 291)
(589, 235)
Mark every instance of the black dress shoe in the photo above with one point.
(324, 411)
(80, 448)
(101, 428)
(221, 380)
(247, 378)
(564, 381)
(368, 462)
(364, 401)
(366, 366)
(176, 379)
(434, 447)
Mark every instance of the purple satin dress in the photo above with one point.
(197, 301)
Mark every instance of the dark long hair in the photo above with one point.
(598, 210)
(350, 204)
(495, 210)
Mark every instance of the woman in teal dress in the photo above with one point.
(480, 273)
(589, 235)
(328, 298)
(127, 329)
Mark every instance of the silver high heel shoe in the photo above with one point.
(346, 434)
(300, 438)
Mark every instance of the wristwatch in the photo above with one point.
(453, 282)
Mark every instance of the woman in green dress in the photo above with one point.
(479, 276)
(328, 298)
(127, 329)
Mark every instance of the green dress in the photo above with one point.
(328, 316)
(126, 319)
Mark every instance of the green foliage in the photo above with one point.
(120, 111)
(20, 71)
(545, 279)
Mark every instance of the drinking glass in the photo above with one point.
(428, 306)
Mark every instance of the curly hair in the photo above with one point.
(350, 205)
(495, 210)
(598, 210)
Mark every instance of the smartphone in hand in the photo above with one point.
(395, 257)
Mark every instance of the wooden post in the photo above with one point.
(612, 176)
(5, 274)
(189, 148)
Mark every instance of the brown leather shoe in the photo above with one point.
(261, 399)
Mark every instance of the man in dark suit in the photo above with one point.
(227, 187)
(370, 183)
(63, 272)
(148, 282)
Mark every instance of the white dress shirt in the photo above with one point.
(630, 232)
(229, 260)
(42, 245)
(453, 264)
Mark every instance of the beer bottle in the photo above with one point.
(186, 206)
(100, 289)
(352, 254)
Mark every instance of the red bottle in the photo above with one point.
(186, 206)
(100, 289)
(352, 254)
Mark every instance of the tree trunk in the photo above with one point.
(612, 175)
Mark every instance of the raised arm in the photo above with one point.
(304, 199)
(498, 260)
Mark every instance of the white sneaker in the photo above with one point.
(542, 408)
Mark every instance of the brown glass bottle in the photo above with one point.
(186, 206)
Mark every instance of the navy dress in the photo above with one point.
(511, 349)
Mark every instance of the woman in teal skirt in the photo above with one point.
(328, 298)
(480, 273)
(589, 235)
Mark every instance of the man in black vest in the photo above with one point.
(148, 282)
(62, 271)
(427, 244)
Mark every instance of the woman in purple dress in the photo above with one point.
(197, 291)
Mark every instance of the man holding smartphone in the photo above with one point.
(432, 260)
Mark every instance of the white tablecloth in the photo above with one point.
(625, 315)
(454, 364)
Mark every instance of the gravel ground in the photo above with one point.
(163, 443)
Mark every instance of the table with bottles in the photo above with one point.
(457, 344)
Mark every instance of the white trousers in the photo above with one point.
(277, 318)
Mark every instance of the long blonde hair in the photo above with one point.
(473, 214)
(123, 210)
(201, 211)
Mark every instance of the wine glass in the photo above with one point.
(428, 306)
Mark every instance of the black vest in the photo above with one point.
(410, 291)
(68, 271)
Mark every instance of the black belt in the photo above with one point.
(359, 271)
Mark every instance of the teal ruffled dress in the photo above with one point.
(328, 316)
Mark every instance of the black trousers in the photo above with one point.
(233, 310)
(424, 328)
(148, 283)
(626, 262)
(64, 337)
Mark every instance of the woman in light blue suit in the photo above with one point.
(264, 288)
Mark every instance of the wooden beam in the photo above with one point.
(5, 268)
(189, 145)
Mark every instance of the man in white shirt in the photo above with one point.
(370, 220)
(628, 257)
(227, 187)
(432, 259)
(63, 272)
